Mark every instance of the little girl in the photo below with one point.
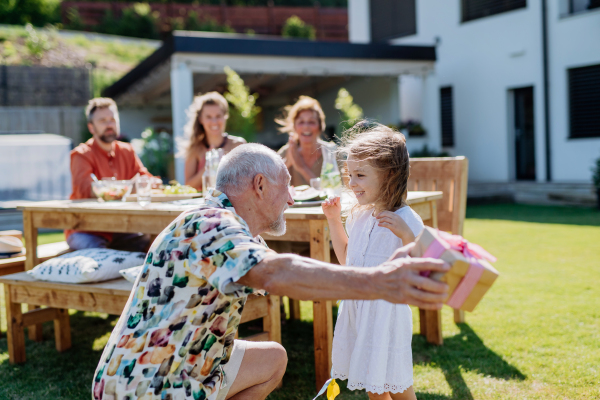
(372, 339)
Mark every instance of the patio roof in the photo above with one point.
(207, 53)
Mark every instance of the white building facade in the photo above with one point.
(516, 111)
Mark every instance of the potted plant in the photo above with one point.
(596, 180)
(412, 127)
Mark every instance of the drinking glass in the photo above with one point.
(143, 187)
(315, 183)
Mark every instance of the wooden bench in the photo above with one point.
(44, 252)
(107, 297)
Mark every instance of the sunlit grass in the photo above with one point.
(535, 335)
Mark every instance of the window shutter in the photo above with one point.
(475, 9)
(447, 116)
(392, 19)
(584, 101)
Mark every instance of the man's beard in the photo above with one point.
(108, 137)
(277, 227)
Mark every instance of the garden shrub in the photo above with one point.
(35, 12)
(243, 110)
(296, 28)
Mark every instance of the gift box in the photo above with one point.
(471, 274)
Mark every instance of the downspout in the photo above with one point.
(546, 89)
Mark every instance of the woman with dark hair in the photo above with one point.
(204, 131)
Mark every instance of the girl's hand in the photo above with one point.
(332, 208)
(396, 224)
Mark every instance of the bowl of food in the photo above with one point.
(111, 190)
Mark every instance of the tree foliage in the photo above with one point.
(296, 28)
(350, 112)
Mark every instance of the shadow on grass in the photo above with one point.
(48, 374)
(464, 351)
(539, 214)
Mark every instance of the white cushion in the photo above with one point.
(88, 265)
(132, 273)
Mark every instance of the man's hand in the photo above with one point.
(399, 280)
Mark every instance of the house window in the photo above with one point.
(392, 19)
(474, 9)
(447, 116)
(584, 101)
(578, 6)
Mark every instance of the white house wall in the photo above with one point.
(574, 42)
(482, 60)
(135, 120)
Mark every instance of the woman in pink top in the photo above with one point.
(205, 131)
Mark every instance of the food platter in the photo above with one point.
(160, 198)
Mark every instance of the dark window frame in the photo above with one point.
(579, 80)
(468, 8)
(409, 6)
(447, 127)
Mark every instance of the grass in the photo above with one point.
(534, 336)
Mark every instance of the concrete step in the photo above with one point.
(551, 193)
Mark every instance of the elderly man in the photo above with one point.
(175, 338)
(106, 157)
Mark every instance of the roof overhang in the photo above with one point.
(208, 53)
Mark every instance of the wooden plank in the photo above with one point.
(115, 222)
(83, 301)
(322, 313)
(294, 309)
(255, 308)
(272, 322)
(422, 323)
(62, 330)
(423, 209)
(115, 287)
(39, 316)
(459, 316)
(433, 320)
(31, 242)
(14, 332)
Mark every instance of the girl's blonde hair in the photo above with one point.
(385, 150)
(193, 132)
(291, 113)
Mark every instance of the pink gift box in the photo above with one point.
(470, 276)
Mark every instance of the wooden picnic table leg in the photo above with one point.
(322, 310)
(272, 323)
(430, 321)
(31, 260)
(62, 329)
(294, 309)
(15, 334)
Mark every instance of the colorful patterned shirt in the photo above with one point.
(178, 326)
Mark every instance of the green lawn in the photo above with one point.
(535, 335)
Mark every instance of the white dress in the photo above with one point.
(372, 339)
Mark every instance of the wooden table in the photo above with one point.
(108, 297)
(303, 225)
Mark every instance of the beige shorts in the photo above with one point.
(232, 368)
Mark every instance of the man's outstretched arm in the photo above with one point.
(397, 280)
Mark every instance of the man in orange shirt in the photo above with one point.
(106, 157)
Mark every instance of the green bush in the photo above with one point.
(425, 152)
(35, 12)
(74, 20)
(155, 149)
(296, 28)
(207, 24)
(136, 21)
(243, 110)
(350, 112)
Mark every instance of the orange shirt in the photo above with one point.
(87, 158)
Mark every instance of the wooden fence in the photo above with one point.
(331, 23)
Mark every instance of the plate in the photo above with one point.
(313, 203)
(159, 198)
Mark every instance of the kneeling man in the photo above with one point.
(175, 338)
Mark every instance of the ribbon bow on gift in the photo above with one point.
(469, 250)
(472, 252)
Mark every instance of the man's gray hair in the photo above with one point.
(238, 168)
